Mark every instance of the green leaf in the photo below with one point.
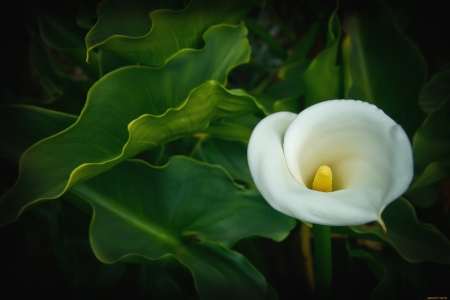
(50, 74)
(21, 126)
(386, 67)
(292, 104)
(231, 155)
(436, 91)
(109, 62)
(68, 92)
(399, 279)
(431, 148)
(431, 142)
(424, 196)
(323, 79)
(125, 18)
(303, 47)
(87, 275)
(77, 57)
(433, 173)
(264, 35)
(229, 131)
(150, 107)
(59, 29)
(171, 31)
(158, 212)
(263, 103)
(237, 128)
(289, 85)
(220, 273)
(92, 279)
(154, 283)
(173, 205)
(414, 241)
(86, 14)
(385, 273)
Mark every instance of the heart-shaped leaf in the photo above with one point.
(131, 110)
(157, 212)
(171, 31)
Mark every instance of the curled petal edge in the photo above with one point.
(360, 199)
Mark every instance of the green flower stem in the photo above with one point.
(322, 260)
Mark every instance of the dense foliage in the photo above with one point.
(123, 146)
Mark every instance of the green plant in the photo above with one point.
(131, 168)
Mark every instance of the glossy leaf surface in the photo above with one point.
(171, 30)
(166, 211)
(134, 103)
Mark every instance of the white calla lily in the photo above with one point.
(370, 157)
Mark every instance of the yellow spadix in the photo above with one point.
(323, 180)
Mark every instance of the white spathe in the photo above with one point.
(369, 154)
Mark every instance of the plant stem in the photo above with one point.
(322, 260)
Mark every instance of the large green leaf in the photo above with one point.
(174, 204)
(171, 31)
(323, 79)
(126, 18)
(131, 110)
(386, 67)
(158, 212)
(108, 62)
(414, 241)
(201, 259)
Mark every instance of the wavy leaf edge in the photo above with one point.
(124, 148)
